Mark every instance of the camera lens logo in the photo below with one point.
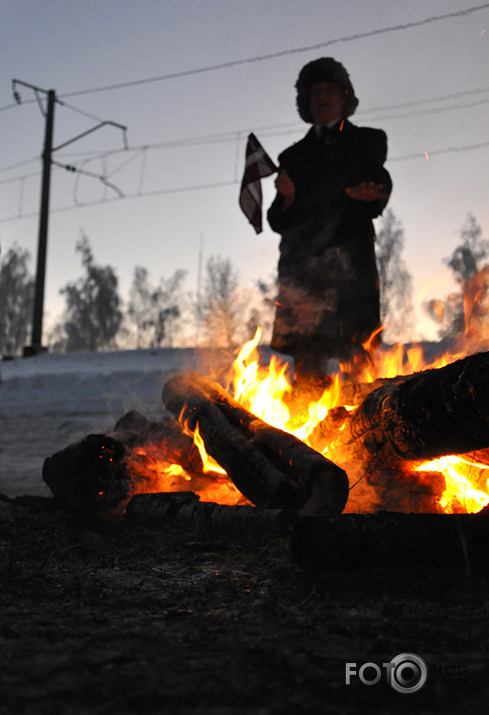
(407, 673)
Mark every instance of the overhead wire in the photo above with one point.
(281, 53)
(272, 55)
(229, 136)
(439, 152)
(9, 106)
(269, 130)
(214, 185)
(394, 28)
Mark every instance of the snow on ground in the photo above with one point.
(49, 401)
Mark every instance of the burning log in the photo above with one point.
(93, 471)
(185, 510)
(133, 429)
(393, 540)
(423, 416)
(272, 468)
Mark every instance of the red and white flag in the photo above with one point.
(258, 164)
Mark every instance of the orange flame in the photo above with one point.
(264, 393)
(267, 393)
(209, 465)
(461, 495)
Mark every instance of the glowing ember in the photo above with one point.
(151, 473)
(460, 494)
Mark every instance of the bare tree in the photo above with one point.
(223, 310)
(466, 311)
(396, 308)
(468, 257)
(93, 313)
(154, 310)
(16, 300)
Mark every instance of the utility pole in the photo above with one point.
(36, 346)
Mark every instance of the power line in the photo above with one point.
(430, 100)
(19, 163)
(439, 152)
(15, 179)
(189, 142)
(11, 106)
(81, 111)
(138, 195)
(270, 129)
(230, 182)
(427, 112)
(231, 136)
(281, 53)
(262, 58)
(235, 135)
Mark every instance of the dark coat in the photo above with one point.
(328, 299)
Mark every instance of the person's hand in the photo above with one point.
(285, 187)
(367, 191)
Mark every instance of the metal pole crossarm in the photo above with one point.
(36, 91)
(93, 129)
(36, 345)
(15, 82)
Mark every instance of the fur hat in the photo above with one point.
(325, 69)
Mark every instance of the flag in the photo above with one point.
(258, 164)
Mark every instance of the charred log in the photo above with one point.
(272, 468)
(391, 540)
(134, 430)
(89, 473)
(423, 416)
(184, 510)
(92, 473)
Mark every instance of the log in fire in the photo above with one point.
(416, 442)
(341, 475)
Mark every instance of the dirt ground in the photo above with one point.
(110, 616)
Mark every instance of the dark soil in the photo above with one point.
(108, 616)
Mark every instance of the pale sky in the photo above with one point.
(424, 80)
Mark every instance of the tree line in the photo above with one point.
(96, 318)
(223, 313)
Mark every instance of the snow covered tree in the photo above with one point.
(93, 314)
(16, 300)
(396, 309)
(154, 310)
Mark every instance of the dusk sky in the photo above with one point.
(420, 70)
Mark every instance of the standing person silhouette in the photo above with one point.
(330, 186)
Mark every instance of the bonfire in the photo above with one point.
(391, 458)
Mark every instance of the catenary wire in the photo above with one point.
(282, 53)
(270, 129)
(272, 55)
(223, 184)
